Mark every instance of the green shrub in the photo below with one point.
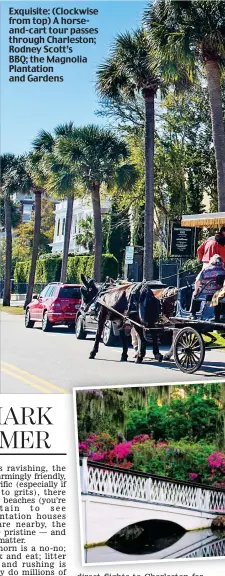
(78, 265)
(109, 266)
(48, 268)
(194, 417)
(137, 423)
(192, 266)
(21, 272)
(177, 460)
(183, 460)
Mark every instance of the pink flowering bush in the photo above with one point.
(182, 460)
(141, 438)
(216, 463)
(97, 446)
(120, 453)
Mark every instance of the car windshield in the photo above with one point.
(69, 292)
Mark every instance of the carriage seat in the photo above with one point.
(207, 290)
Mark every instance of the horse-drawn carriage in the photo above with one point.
(151, 311)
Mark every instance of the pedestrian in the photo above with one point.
(214, 245)
(134, 340)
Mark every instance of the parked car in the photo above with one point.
(86, 322)
(57, 304)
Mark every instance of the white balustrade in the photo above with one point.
(120, 484)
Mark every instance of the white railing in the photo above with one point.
(216, 548)
(117, 483)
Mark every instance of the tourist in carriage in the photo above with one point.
(208, 281)
(218, 300)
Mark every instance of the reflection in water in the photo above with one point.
(146, 537)
(194, 544)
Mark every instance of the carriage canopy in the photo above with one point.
(205, 220)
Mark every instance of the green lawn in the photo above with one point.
(12, 309)
(220, 340)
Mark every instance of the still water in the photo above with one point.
(164, 540)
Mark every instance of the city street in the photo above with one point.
(54, 362)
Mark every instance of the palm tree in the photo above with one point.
(130, 70)
(85, 238)
(37, 177)
(59, 180)
(192, 33)
(13, 178)
(96, 155)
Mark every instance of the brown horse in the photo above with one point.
(137, 302)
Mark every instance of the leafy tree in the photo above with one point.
(16, 213)
(59, 180)
(37, 177)
(192, 34)
(14, 178)
(23, 241)
(129, 70)
(180, 157)
(193, 417)
(106, 410)
(85, 238)
(124, 112)
(119, 233)
(48, 218)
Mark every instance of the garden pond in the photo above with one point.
(158, 540)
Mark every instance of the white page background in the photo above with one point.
(63, 440)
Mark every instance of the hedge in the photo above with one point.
(48, 268)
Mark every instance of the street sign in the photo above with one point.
(129, 255)
(181, 241)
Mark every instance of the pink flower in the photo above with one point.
(141, 438)
(216, 461)
(97, 455)
(193, 476)
(121, 451)
(83, 446)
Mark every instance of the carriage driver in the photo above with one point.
(208, 281)
(212, 246)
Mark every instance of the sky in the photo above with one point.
(26, 108)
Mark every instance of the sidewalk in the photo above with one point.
(14, 302)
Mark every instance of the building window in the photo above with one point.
(63, 226)
(58, 227)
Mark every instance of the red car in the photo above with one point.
(57, 304)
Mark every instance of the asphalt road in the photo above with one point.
(54, 362)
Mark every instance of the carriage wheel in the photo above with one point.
(189, 350)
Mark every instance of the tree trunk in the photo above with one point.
(218, 132)
(95, 195)
(66, 246)
(37, 227)
(8, 255)
(149, 185)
